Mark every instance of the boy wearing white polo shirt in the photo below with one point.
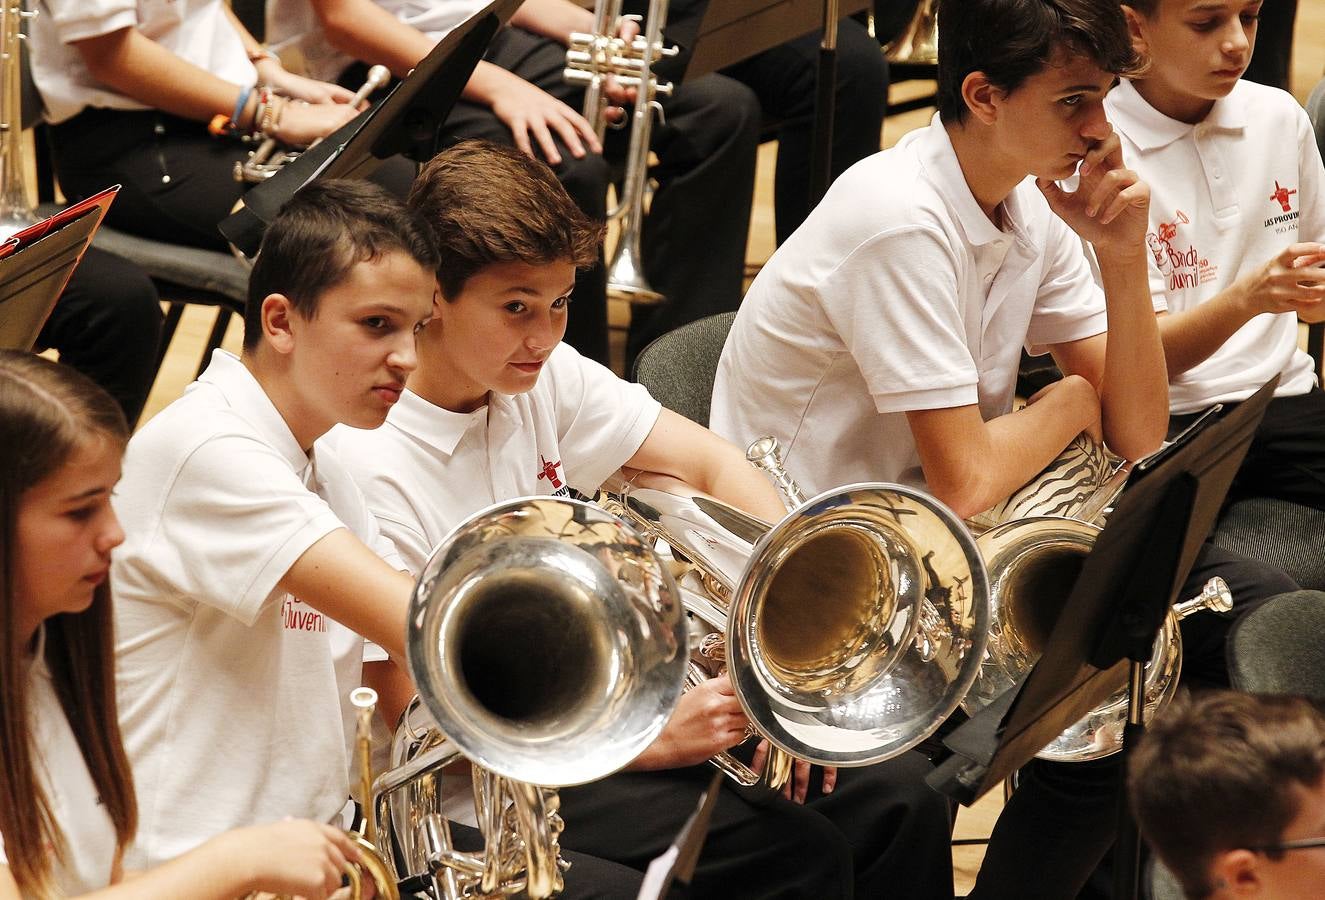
(498, 409)
(1236, 217)
(246, 543)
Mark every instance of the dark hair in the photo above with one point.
(48, 411)
(1011, 40)
(322, 232)
(1221, 772)
(488, 204)
(1145, 7)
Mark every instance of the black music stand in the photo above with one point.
(407, 122)
(719, 33)
(1107, 628)
(35, 265)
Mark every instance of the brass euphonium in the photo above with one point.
(16, 207)
(548, 645)
(1034, 547)
(590, 60)
(851, 628)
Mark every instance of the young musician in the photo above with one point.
(694, 251)
(499, 408)
(881, 342)
(1235, 231)
(1229, 789)
(155, 96)
(245, 543)
(67, 805)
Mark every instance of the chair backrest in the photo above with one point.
(679, 367)
(1277, 648)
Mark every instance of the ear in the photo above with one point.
(982, 98)
(1136, 30)
(1236, 873)
(277, 315)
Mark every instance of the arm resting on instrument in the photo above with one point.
(680, 448)
(299, 857)
(971, 464)
(343, 578)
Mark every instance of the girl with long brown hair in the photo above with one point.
(67, 805)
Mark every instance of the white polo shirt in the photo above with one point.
(89, 834)
(198, 31)
(293, 25)
(897, 293)
(230, 690)
(427, 469)
(1226, 196)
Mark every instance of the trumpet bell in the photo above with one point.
(547, 641)
(858, 625)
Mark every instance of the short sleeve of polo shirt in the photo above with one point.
(601, 419)
(1069, 304)
(233, 520)
(75, 20)
(894, 303)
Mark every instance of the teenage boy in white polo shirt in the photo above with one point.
(498, 409)
(1237, 211)
(882, 341)
(247, 542)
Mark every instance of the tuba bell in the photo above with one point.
(851, 628)
(548, 645)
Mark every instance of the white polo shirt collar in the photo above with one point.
(940, 158)
(436, 426)
(228, 374)
(1149, 129)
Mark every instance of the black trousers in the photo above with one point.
(784, 81)
(695, 234)
(881, 832)
(1060, 823)
(1286, 460)
(177, 181)
(107, 325)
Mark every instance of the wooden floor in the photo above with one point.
(182, 360)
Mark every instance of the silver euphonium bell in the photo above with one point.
(1034, 547)
(851, 629)
(548, 644)
(590, 60)
(16, 208)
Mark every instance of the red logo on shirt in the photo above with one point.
(1182, 268)
(548, 470)
(1281, 195)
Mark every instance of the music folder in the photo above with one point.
(1127, 585)
(407, 122)
(35, 265)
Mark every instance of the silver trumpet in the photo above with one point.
(16, 207)
(269, 158)
(851, 628)
(548, 645)
(590, 60)
(1033, 561)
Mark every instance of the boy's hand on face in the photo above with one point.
(1111, 205)
(1294, 281)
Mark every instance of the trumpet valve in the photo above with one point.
(713, 647)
